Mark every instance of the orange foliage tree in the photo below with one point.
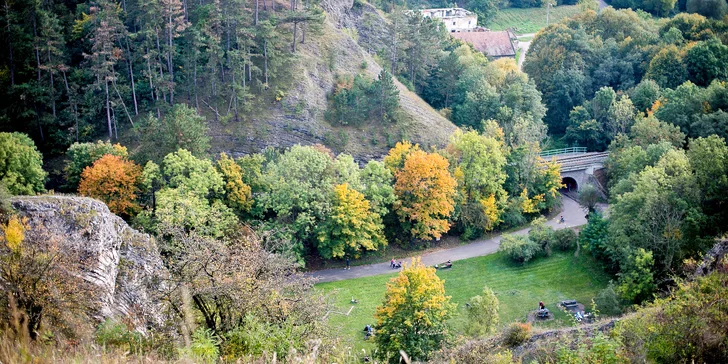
(113, 180)
(426, 192)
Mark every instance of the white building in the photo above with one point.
(455, 19)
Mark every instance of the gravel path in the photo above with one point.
(573, 216)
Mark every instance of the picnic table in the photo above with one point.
(569, 304)
(543, 313)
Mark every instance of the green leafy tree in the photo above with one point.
(190, 195)
(298, 190)
(181, 128)
(636, 280)
(387, 96)
(480, 170)
(658, 215)
(351, 228)
(593, 237)
(21, 165)
(645, 94)
(413, 317)
(482, 314)
(707, 61)
(589, 197)
(667, 68)
(709, 8)
(377, 187)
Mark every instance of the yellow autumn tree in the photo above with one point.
(425, 194)
(238, 194)
(413, 316)
(351, 228)
(113, 180)
(394, 160)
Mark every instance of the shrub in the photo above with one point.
(519, 247)
(564, 239)
(482, 314)
(516, 334)
(204, 346)
(113, 334)
(542, 235)
(608, 302)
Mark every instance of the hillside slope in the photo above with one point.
(299, 117)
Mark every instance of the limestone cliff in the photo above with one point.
(123, 263)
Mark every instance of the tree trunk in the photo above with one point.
(72, 98)
(265, 61)
(295, 27)
(151, 80)
(131, 77)
(170, 69)
(257, 5)
(108, 108)
(53, 86)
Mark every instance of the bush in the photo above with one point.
(607, 301)
(204, 346)
(542, 235)
(564, 239)
(519, 247)
(482, 314)
(113, 334)
(516, 334)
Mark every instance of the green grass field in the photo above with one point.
(518, 287)
(530, 20)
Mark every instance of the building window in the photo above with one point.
(453, 23)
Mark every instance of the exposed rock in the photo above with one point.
(124, 263)
(344, 45)
(715, 258)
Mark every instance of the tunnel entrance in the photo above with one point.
(569, 184)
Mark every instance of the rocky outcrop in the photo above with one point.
(714, 259)
(123, 263)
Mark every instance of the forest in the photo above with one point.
(122, 102)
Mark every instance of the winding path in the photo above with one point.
(573, 216)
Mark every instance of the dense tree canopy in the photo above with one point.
(21, 170)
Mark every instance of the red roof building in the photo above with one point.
(492, 44)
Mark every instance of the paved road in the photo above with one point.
(602, 4)
(573, 216)
(524, 49)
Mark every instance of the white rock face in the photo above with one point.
(124, 263)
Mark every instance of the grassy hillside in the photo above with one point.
(530, 20)
(299, 116)
(518, 287)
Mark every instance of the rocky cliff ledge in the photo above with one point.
(124, 263)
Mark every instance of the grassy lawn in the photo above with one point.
(519, 289)
(530, 20)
